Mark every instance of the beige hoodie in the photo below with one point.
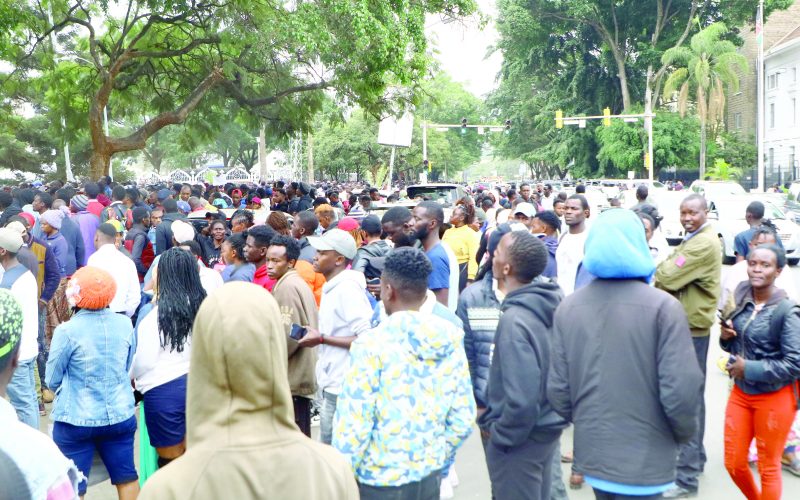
(242, 442)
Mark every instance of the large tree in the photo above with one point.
(169, 60)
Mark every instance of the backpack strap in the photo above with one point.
(12, 275)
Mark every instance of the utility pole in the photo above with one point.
(760, 99)
(310, 151)
(262, 152)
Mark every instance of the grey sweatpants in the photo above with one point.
(523, 471)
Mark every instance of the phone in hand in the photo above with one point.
(297, 332)
(374, 281)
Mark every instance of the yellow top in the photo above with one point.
(464, 241)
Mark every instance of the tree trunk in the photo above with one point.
(99, 164)
(702, 150)
(623, 80)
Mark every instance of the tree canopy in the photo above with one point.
(155, 63)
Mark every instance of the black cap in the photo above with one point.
(371, 224)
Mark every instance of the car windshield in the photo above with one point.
(440, 194)
(714, 190)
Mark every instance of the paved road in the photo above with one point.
(715, 484)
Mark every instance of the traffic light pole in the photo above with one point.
(648, 125)
(463, 125)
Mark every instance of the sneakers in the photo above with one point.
(446, 488)
(679, 492)
(47, 396)
(791, 463)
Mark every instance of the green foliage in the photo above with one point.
(159, 63)
(350, 146)
(723, 171)
(740, 152)
(571, 54)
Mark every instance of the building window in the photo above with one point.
(772, 81)
(771, 158)
(737, 121)
(772, 115)
(791, 158)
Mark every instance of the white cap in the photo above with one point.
(525, 209)
(337, 240)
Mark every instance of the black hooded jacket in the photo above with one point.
(518, 409)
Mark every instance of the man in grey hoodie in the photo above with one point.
(521, 427)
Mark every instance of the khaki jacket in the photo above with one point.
(692, 275)
(242, 442)
(298, 306)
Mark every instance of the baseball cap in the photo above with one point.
(371, 224)
(117, 225)
(163, 194)
(182, 231)
(337, 240)
(525, 209)
(11, 240)
(184, 207)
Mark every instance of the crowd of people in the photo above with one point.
(222, 322)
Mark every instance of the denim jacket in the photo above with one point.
(90, 357)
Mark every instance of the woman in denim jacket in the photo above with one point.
(90, 357)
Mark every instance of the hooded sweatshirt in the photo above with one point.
(406, 405)
(241, 438)
(343, 312)
(518, 409)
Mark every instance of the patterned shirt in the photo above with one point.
(406, 404)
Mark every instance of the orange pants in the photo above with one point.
(768, 417)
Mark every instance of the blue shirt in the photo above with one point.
(440, 276)
(741, 244)
(60, 250)
(626, 489)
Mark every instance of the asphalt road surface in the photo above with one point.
(715, 484)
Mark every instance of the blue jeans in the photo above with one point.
(692, 454)
(22, 394)
(44, 348)
(326, 417)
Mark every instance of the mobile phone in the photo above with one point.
(297, 332)
(374, 281)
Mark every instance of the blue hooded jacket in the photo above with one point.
(616, 247)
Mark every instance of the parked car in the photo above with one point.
(715, 189)
(728, 214)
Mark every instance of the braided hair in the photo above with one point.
(179, 295)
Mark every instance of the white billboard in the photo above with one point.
(396, 131)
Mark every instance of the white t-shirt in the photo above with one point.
(26, 291)
(154, 365)
(568, 256)
(123, 270)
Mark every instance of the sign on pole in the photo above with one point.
(396, 131)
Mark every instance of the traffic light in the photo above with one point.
(426, 164)
(463, 125)
(607, 117)
(559, 119)
(508, 125)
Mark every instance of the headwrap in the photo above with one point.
(616, 247)
(91, 288)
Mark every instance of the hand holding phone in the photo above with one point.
(297, 332)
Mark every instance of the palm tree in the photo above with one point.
(704, 69)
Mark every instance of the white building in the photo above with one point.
(782, 116)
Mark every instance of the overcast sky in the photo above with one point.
(463, 47)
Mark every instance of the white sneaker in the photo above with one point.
(453, 477)
(446, 489)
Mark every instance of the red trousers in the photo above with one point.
(769, 418)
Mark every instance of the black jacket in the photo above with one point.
(518, 409)
(624, 371)
(479, 311)
(772, 358)
(369, 259)
(164, 231)
(9, 212)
